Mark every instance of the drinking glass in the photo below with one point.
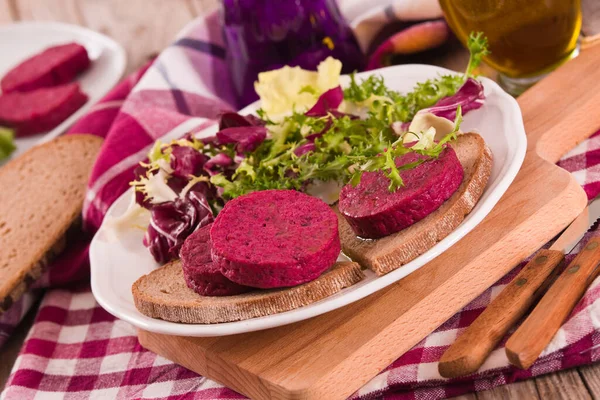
(527, 38)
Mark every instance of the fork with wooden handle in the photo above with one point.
(473, 346)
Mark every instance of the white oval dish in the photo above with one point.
(24, 39)
(116, 265)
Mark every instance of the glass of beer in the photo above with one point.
(527, 38)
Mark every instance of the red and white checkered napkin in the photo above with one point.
(77, 350)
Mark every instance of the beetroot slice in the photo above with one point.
(53, 66)
(201, 275)
(373, 211)
(40, 110)
(275, 238)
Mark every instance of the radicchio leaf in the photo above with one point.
(173, 221)
(209, 140)
(140, 198)
(220, 160)
(470, 96)
(177, 183)
(247, 138)
(203, 189)
(313, 136)
(234, 120)
(327, 102)
(187, 161)
(305, 148)
(157, 244)
(254, 120)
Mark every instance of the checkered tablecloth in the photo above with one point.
(77, 350)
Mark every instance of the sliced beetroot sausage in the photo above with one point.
(373, 211)
(53, 66)
(40, 110)
(200, 273)
(275, 238)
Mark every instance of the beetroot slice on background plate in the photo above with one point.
(201, 275)
(374, 212)
(275, 238)
(53, 66)
(40, 110)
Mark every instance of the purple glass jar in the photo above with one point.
(266, 34)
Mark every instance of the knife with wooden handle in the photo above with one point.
(532, 337)
(472, 347)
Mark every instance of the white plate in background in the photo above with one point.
(24, 39)
(116, 264)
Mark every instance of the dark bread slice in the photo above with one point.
(391, 252)
(163, 294)
(41, 197)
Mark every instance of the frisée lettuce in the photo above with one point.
(309, 132)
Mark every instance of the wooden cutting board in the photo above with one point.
(333, 355)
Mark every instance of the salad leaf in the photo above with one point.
(156, 153)
(233, 120)
(186, 161)
(141, 199)
(469, 97)
(478, 48)
(158, 245)
(294, 88)
(394, 151)
(319, 132)
(310, 131)
(219, 160)
(403, 107)
(424, 139)
(303, 149)
(246, 138)
(154, 187)
(172, 222)
(425, 94)
(177, 183)
(7, 145)
(328, 101)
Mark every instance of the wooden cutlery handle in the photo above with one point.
(532, 337)
(472, 347)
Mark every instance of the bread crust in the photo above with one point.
(48, 185)
(163, 294)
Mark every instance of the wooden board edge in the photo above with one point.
(196, 359)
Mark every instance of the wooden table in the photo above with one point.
(144, 28)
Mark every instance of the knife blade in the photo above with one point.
(536, 332)
(569, 238)
(469, 351)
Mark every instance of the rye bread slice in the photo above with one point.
(41, 198)
(163, 294)
(391, 252)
